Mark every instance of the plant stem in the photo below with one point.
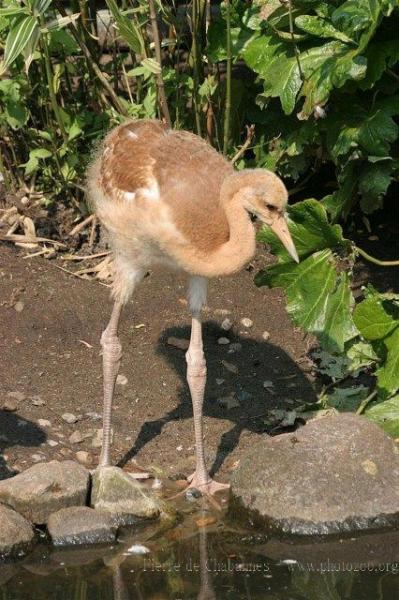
(291, 25)
(197, 13)
(159, 79)
(376, 261)
(106, 85)
(227, 106)
(366, 402)
(50, 84)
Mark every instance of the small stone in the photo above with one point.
(83, 457)
(180, 343)
(121, 379)
(81, 525)
(115, 492)
(37, 457)
(233, 348)
(16, 534)
(10, 405)
(77, 437)
(223, 341)
(227, 324)
(52, 443)
(230, 367)
(97, 440)
(246, 322)
(37, 401)
(69, 418)
(19, 306)
(45, 488)
(65, 451)
(44, 423)
(219, 381)
(95, 416)
(266, 335)
(18, 396)
(268, 384)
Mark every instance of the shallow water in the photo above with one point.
(194, 562)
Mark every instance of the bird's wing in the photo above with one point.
(181, 167)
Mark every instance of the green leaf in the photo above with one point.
(347, 399)
(380, 55)
(340, 202)
(388, 373)
(19, 35)
(374, 181)
(372, 319)
(40, 6)
(386, 414)
(12, 11)
(377, 132)
(40, 153)
(339, 326)
(307, 286)
(127, 29)
(152, 65)
(310, 231)
(60, 22)
(321, 28)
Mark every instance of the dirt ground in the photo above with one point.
(51, 364)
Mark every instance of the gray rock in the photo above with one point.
(16, 534)
(81, 525)
(337, 474)
(46, 488)
(114, 491)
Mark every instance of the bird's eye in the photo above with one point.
(271, 207)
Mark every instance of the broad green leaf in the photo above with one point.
(372, 319)
(377, 132)
(20, 34)
(339, 326)
(358, 19)
(40, 153)
(347, 399)
(374, 181)
(307, 285)
(310, 231)
(320, 28)
(340, 202)
(360, 355)
(388, 373)
(127, 29)
(379, 55)
(386, 414)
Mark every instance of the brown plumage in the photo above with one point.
(167, 197)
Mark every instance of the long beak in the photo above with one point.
(280, 228)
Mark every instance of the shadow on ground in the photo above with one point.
(256, 362)
(16, 431)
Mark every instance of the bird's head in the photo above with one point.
(263, 194)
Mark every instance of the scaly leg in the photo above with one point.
(112, 352)
(196, 378)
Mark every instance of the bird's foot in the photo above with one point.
(208, 487)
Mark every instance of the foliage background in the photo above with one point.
(319, 83)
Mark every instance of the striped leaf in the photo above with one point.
(127, 29)
(18, 38)
(39, 6)
(13, 11)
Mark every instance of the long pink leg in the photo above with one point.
(196, 378)
(112, 352)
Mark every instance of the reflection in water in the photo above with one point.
(190, 562)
